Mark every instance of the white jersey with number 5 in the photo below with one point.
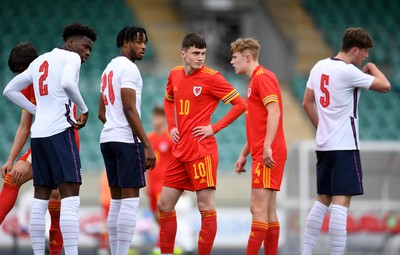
(336, 87)
(119, 73)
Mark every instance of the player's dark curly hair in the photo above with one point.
(131, 34)
(193, 39)
(77, 29)
(356, 37)
(21, 56)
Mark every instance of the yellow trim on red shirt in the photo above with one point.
(270, 98)
(230, 96)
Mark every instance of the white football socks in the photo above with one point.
(126, 223)
(337, 229)
(314, 222)
(112, 219)
(69, 224)
(37, 225)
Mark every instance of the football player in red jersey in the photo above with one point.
(192, 94)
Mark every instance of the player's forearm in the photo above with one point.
(21, 136)
(238, 107)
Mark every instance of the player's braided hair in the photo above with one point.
(193, 39)
(21, 56)
(77, 29)
(131, 34)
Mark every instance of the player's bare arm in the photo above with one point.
(128, 97)
(274, 114)
(241, 161)
(309, 106)
(102, 109)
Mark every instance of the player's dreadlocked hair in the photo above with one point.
(21, 56)
(77, 29)
(193, 39)
(131, 34)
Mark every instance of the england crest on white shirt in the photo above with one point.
(197, 90)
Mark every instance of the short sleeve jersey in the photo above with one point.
(195, 97)
(54, 111)
(162, 146)
(120, 73)
(336, 87)
(263, 89)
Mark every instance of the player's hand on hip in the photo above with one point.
(203, 132)
(239, 165)
(150, 162)
(81, 120)
(174, 133)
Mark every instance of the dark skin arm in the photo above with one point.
(102, 110)
(128, 97)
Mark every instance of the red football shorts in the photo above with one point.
(194, 175)
(267, 178)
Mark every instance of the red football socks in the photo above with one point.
(271, 239)
(168, 227)
(55, 235)
(257, 235)
(8, 196)
(207, 232)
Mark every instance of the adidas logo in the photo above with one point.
(256, 181)
(202, 181)
(53, 242)
(252, 234)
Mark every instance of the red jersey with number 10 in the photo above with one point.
(195, 98)
(263, 89)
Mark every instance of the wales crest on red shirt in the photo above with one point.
(197, 90)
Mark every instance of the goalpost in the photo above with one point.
(380, 162)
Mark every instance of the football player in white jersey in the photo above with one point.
(55, 157)
(331, 103)
(126, 149)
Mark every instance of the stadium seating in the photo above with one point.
(42, 23)
(378, 115)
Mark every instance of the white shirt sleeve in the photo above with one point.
(129, 77)
(13, 91)
(359, 79)
(69, 83)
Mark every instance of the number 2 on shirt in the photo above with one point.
(107, 83)
(324, 100)
(43, 88)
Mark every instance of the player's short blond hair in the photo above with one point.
(242, 44)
